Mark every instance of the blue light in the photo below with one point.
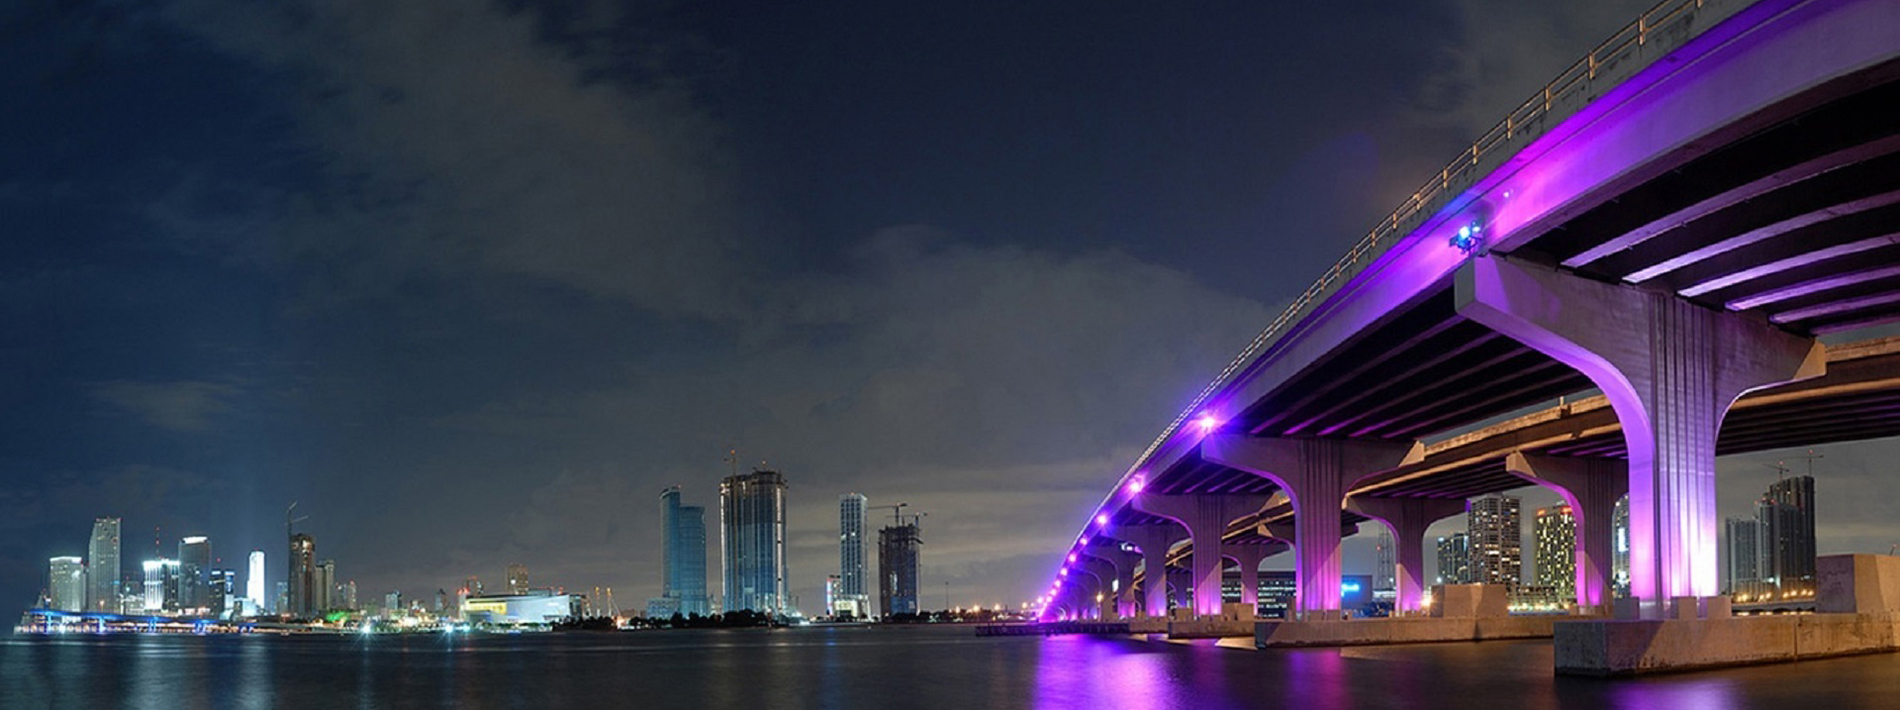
(1467, 237)
(1348, 587)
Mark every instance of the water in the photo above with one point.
(922, 668)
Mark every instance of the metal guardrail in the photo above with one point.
(1659, 30)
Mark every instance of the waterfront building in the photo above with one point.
(222, 602)
(194, 574)
(752, 536)
(254, 580)
(682, 558)
(1495, 532)
(897, 558)
(1554, 558)
(161, 586)
(324, 587)
(1742, 553)
(1786, 513)
(392, 603)
(1620, 547)
(1385, 574)
(1454, 559)
(346, 595)
(853, 524)
(517, 578)
(537, 607)
(302, 601)
(103, 592)
(66, 583)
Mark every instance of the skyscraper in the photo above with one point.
(66, 583)
(302, 598)
(194, 574)
(102, 566)
(1742, 546)
(752, 535)
(324, 587)
(1787, 517)
(850, 598)
(223, 598)
(1454, 559)
(1620, 547)
(254, 581)
(1385, 575)
(1496, 534)
(161, 586)
(682, 558)
(897, 553)
(1555, 557)
(517, 578)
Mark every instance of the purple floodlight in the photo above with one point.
(1101, 519)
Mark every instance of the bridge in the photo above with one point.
(1671, 224)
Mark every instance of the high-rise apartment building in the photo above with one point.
(1787, 516)
(161, 586)
(897, 553)
(517, 578)
(254, 581)
(301, 601)
(1385, 571)
(1620, 547)
(1454, 559)
(102, 567)
(223, 599)
(324, 587)
(66, 583)
(752, 536)
(850, 597)
(682, 559)
(1742, 550)
(194, 574)
(1555, 555)
(1496, 534)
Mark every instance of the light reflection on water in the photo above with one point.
(921, 668)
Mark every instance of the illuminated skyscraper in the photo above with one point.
(102, 566)
(752, 536)
(1555, 555)
(324, 587)
(1787, 517)
(1620, 547)
(66, 583)
(897, 558)
(1496, 535)
(683, 558)
(223, 598)
(517, 578)
(161, 586)
(254, 580)
(850, 597)
(194, 574)
(1385, 574)
(1454, 559)
(302, 599)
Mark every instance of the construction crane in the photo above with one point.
(917, 519)
(290, 523)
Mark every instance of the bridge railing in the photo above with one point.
(1662, 29)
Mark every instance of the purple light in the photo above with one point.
(1101, 519)
(1071, 559)
(1065, 570)
(1135, 485)
(1207, 422)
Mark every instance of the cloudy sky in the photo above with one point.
(472, 281)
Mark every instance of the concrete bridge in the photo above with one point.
(1671, 223)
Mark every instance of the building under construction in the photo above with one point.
(897, 549)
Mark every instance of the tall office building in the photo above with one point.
(1620, 547)
(161, 586)
(102, 567)
(346, 595)
(66, 583)
(301, 599)
(223, 599)
(1496, 533)
(324, 587)
(752, 535)
(1787, 517)
(254, 581)
(850, 599)
(1454, 559)
(194, 574)
(897, 552)
(517, 578)
(1555, 554)
(682, 559)
(1742, 548)
(1385, 573)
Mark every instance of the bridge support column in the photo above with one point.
(1110, 551)
(1206, 516)
(1315, 474)
(1182, 580)
(1104, 574)
(1408, 518)
(1670, 370)
(1249, 557)
(1591, 487)
(1153, 541)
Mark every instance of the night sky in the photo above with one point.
(473, 281)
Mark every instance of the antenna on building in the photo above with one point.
(732, 457)
(1781, 470)
(1810, 459)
